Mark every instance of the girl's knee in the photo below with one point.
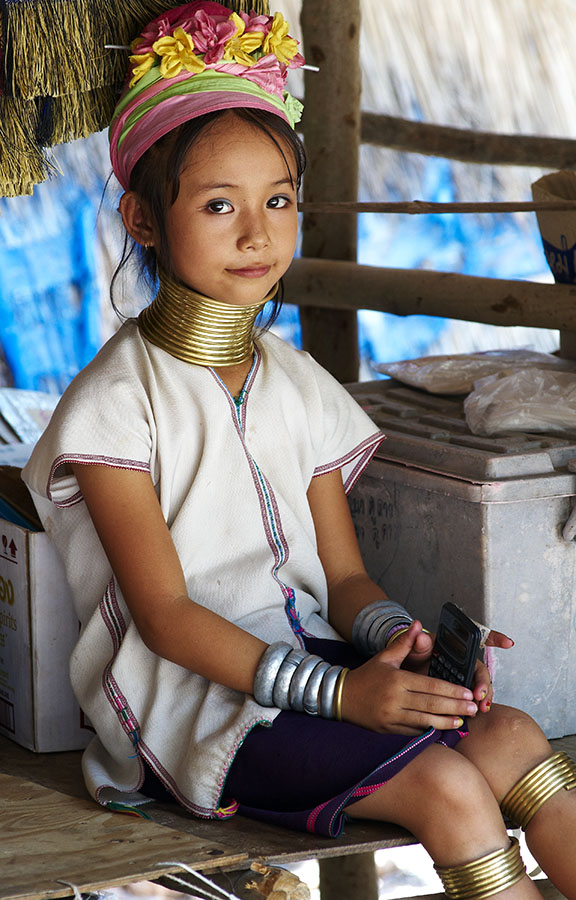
(504, 745)
(445, 801)
(455, 782)
(446, 784)
(510, 730)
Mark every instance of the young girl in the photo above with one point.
(233, 651)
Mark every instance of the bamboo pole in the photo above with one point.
(466, 145)
(404, 292)
(331, 41)
(425, 207)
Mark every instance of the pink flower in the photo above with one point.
(253, 22)
(268, 73)
(296, 61)
(160, 27)
(210, 33)
(180, 17)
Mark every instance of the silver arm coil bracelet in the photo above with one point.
(284, 677)
(373, 624)
(267, 670)
(327, 691)
(296, 679)
(311, 696)
(299, 681)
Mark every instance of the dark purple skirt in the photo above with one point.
(302, 771)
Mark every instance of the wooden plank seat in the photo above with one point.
(52, 835)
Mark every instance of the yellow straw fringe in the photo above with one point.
(57, 46)
(22, 163)
(78, 116)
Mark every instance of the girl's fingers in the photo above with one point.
(483, 690)
(414, 723)
(497, 639)
(437, 687)
(431, 705)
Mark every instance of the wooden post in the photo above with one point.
(568, 344)
(331, 33)
(348, 877)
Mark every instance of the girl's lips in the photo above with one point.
(251, 271)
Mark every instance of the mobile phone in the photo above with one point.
(456, 647)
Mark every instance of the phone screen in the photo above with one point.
(455, 641)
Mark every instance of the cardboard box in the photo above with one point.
(38, 629)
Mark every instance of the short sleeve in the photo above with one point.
(103, 418)
(346, 438)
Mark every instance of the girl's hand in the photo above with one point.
(383, 696)
(419, 657)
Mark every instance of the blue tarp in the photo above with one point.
(49, 299)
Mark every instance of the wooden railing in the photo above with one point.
(327, 284)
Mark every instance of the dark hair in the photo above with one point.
(156, 179)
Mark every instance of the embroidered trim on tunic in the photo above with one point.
(134, 465)
(364, 451)
(114, 621)
(116, 625)
(268, 505)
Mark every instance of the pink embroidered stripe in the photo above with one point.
(81, 459)
(363, 452)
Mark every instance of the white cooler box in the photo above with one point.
(441, 514)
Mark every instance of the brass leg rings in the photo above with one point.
(484, 877)
(500, 870)
(524, 800)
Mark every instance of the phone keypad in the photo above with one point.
(441, 667)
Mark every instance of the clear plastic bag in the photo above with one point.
(526, 400)
(457, 374)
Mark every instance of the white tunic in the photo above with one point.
(232, 480)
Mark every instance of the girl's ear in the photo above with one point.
(136, 219)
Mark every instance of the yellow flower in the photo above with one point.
(143, 63)
(239, 47)
(279, 42)
(177, 52)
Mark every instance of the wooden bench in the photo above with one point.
(54, 837)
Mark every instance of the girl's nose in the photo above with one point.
(253, 235)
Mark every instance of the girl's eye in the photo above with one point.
(219, 206)
(278, 202)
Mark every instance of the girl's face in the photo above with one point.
(232, 230)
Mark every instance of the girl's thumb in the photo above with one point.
(400, 644)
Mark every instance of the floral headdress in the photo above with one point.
(196, 59)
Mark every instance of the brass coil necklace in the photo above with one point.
(197, 329)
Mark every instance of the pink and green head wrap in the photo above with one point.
(196, 59)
